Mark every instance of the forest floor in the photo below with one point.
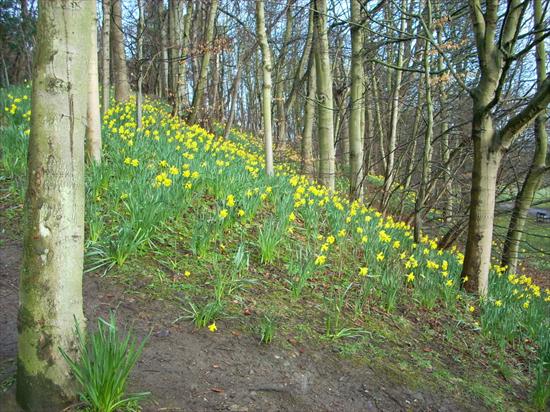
(189, 369)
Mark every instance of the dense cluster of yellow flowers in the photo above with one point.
(191, 155)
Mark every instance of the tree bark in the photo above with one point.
(50, 291)
(389, 173)
(106, 57)
(538, 167)
(165, 77)
(233, 96)
(490, 144)
(281, 120)
(198, 96)
(420, 203)
(325, 119)
(139, 92)
(482, 207)
(122, 86)
(356, 96)
(266, 90)
(309, 120)
(93, 124)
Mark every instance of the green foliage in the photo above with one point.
(105, 363)
(267, 329)
(270, 236)
(300, 270)
(204, 315)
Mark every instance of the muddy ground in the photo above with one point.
(186, 369)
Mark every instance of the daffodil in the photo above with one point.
(320, 260)
(230, 200)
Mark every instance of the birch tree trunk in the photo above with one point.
(356, 96)
(325, 101)
(93, 124)
(122, 86)
(106, 57)
(200, 88)
(50, 291)
(266, 90)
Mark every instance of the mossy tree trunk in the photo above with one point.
(51, 275)
(266, 89)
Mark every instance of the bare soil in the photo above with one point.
(186, 369)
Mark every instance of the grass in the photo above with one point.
(179, 214)
(102, 368)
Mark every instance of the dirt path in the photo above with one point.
(196, 370)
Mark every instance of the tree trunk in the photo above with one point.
(420, 203)
(266, 90)
(179, 37)
(93, 124)
(491, 144)
(445, 148)
(309, 120)
(122, 86)
(165, 77)
(524, 199)
(233, 96)
(356, 96)
(200, 87)
(139, 92)
(477, 260)
(389, 173)
(50, 291)
(106, 57)
(281, 120)
(325, 118)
